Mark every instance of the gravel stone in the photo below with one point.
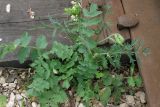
(11, 78)
(130, 100)
(11, 100)
(2, 80)
(34, 104)
(19, 97)
(141, 96)
(11, 85)
(124, 105)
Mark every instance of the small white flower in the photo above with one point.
(0, 39)
(73, 2)
(8, 8)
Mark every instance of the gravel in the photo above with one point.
(15, 92)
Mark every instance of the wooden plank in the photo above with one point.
(116, 11)
(148, 30)
(42, 9)
(11, 31)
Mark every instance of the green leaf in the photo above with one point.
(131, 82)
(107, 80)
(7, 49)
(47, 69)
(105, 95)
(40, 71)
(138, 81)
(62, 51)
(99, 75)
(3, 101)
(41, 42)
(91, 22)
(39, 85)
(92, 12)
(23, 54)
(17, 42)
(34, 54)
(66, 84)
(25, 39)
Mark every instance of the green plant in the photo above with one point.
(82, 66)
(3, 101)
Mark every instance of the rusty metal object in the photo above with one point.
(148, 30)
(127, 21)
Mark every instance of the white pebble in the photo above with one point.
(34, 104)
(5, 84)
(2, 80)
(11, 100)
(19, 97)
(81, 105)
(130, 100)
(8, 8)
(124, 105)
(12, 85)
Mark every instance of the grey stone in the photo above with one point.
(18, 97)
(126, 21)
(124, 105)
(141, 96)
(11, 78)
(130, 100)
(2, 80)
(11, 100)
(11, 85)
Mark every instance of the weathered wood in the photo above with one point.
(148, 12)
(17, 21)
(11, 31)
(42, 9)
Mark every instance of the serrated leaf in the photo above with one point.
(23, 54)
(3, 101)
(105, 95)
(93, 12)
(62, 51)
(40, 71)
(41, 42)
(66, 84)
(131, 82)
(25, 39)
(99, 75)
(47, 70)
(34, 54)
(6, 49)
(107, 80)
(39, 85)
(91, 22)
